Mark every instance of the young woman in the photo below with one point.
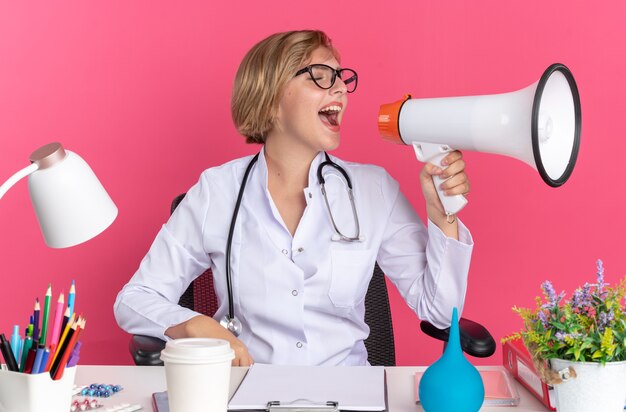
(301, 251)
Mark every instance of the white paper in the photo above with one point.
(356, 388)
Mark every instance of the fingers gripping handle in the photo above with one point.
(434, 154)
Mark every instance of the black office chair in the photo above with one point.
(200, 296)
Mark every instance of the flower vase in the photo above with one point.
(596, 387)
(452, 384)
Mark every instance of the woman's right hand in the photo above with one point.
(202, 326)
(242, 356)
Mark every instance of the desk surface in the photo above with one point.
(140, 382)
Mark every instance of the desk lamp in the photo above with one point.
(70, 203)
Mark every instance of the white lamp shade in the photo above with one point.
(71, 204)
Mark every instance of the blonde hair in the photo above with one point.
(262, 76)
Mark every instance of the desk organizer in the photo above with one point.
(35, 393)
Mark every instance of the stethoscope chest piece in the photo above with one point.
(232, 324)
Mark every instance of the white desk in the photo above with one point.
(140, 382)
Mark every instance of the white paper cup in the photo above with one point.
(197, 372)
(35, 393)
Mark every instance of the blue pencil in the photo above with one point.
(71, 297)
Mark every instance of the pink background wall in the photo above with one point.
(141, 91)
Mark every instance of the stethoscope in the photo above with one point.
(229, 321)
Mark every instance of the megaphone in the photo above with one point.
(539, 125)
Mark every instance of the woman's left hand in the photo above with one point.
(457, 183)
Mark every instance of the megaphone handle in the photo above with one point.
(434, 154)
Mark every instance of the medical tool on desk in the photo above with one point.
(539, 125)
(229, 321)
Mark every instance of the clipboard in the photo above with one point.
(311, 388)
(160, 404)
(297, 406)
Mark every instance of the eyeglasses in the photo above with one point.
(324, 76)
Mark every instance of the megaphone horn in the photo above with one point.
(539, 125)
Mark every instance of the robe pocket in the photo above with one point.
(351, 271)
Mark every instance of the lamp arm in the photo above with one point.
(17, 177)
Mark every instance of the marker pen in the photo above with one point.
(37, 361)
(15, 341)
(30, 358)
(28, 343)
(7, 352)
(44, 360)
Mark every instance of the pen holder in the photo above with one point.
(35, 393)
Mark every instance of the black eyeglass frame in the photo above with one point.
(336, 73)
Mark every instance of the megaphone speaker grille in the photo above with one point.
(556, 125)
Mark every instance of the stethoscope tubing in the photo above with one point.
(231, 323)
(233, 221)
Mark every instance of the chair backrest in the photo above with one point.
(381, 348)
(200, 296)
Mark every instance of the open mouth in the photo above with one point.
(330, 114)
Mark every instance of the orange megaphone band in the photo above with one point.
(388, 120)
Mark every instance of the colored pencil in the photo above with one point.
(36, 311)
(46, 315)
(52, 358)
(53, 347)
(58, 318)
(66, 317)
(71, 298)
(58, 373)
